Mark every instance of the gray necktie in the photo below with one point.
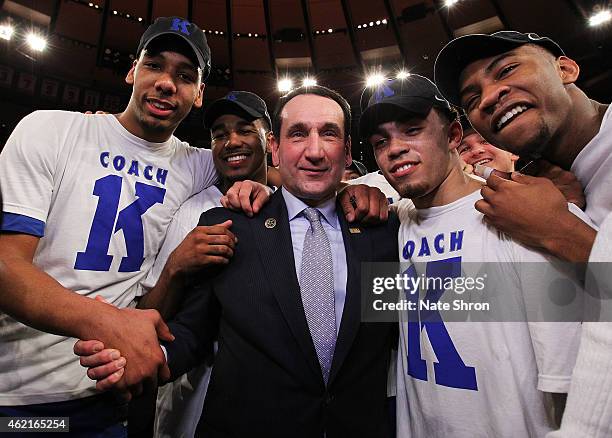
(317, 289)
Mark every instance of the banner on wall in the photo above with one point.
(49, 89)
(26, 83)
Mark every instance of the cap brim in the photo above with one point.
(203, 64)
(224, 106)
(390, 110)
(462, 51)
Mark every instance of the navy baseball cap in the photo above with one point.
(415, 94)
(465, 124)
(189, 32)
(462, 51)
(358, 167)
(244, 104)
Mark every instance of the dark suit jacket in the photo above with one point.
(266, 379)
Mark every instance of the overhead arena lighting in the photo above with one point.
(285, 85)
(600, 18)
(309, 82)
(6, 31)
(36, 42)
(402, 74)
(449, 3)
(375, 79)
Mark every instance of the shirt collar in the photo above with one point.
(295, 206)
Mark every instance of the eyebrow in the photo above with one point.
(331, 125)
(189, 65)
(488, 69)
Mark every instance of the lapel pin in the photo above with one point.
(354, 230)
(270, 222)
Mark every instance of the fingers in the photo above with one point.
(484, 207)
(111, 381)
(373, 213)
(163, 331)
(86, 348)
(108, 371)
(261, 197)
(384, 209)
(102, 358)
(101, 299)
(487, 193)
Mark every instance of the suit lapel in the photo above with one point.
(276, 252)
(355, 246)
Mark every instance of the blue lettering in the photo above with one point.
(424, 248)
(456, 240)
(118, 162)
(104, 159)
(408, 249)
(450, 369)
(148, 172)
(133, 168)
(438, 243)
(161, 176)
(183, 23)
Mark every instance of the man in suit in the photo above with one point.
(294, 357)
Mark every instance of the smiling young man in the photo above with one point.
(488, 74)
(461, 379)
(240, 127)
(88, 199)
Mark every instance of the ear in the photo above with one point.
(568, 69)
(129, 79)
(513, 157)
(200, 96)
(274, 145)
(269, 138)
(455, 133)
(348, 159)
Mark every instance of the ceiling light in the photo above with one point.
(36, 42)
(371, 23)
(256, 35)
(377, 22)
(449, 3)
(6, 31)
(384, 21)
(402, 74)
(285, 85)
(600, 18)
(309, 82)
(374, 79)
(330, 30)
(139, 18)
(359, 26)
(91, 5)
(250, 35)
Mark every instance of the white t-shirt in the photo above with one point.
(376, 179)
(179, 403)
(104, 199)
(475, 379)
(593, 168)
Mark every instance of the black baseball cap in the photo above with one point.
(358, 167)
(415, 94)
(466, 125)
(189, 32)
(462, 51)
(244, 104)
